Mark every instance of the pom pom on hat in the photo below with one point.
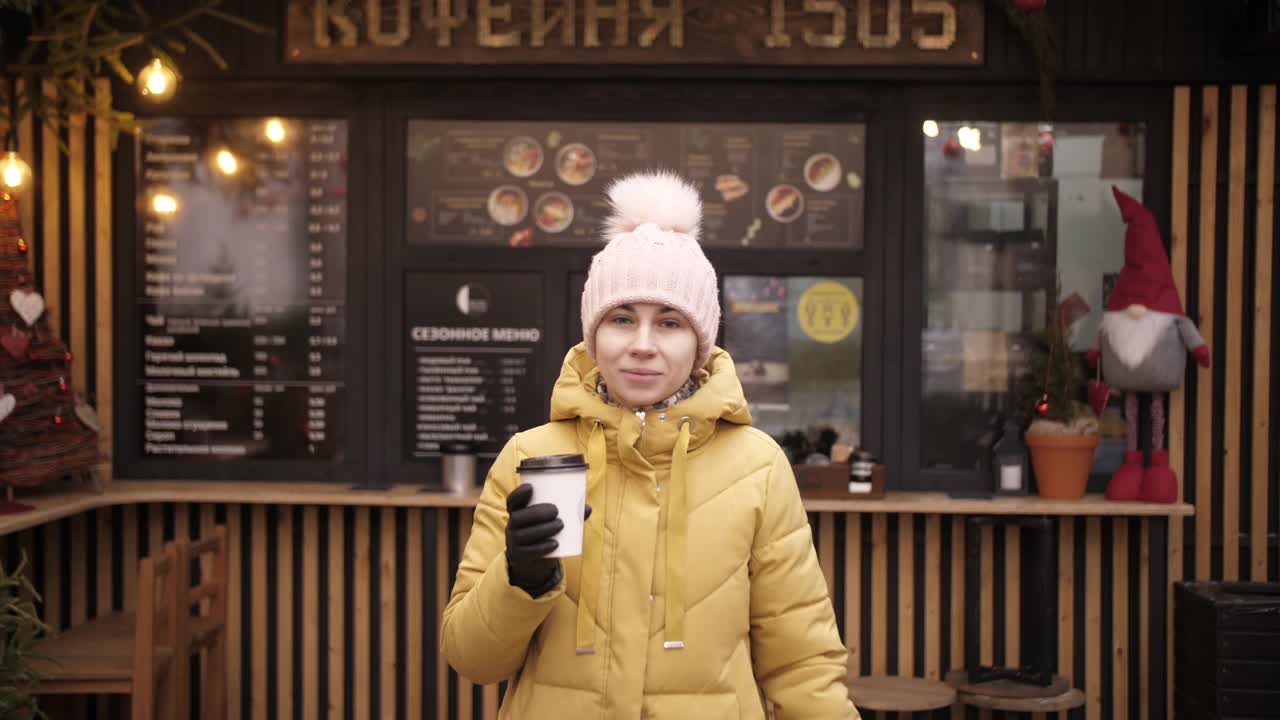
(653, 256)
(661, 198)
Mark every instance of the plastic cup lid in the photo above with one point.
(552, 462)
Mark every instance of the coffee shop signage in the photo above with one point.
(759, 32)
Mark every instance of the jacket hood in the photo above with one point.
(719, 396)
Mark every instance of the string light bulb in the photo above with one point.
(930, 128)
(164, 203)
(15, 173)
(157, 81)
(22, 245)
(970, 138)
(275, 131)
(226, 161)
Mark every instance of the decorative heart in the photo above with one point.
(1098, 394)
(27, 393)
(7, 404)
(88, 415)
(28, 304)
(15, 341)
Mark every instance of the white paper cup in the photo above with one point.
(560, 480)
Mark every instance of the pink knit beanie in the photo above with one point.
(653, 256)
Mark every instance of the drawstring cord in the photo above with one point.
(589, 577)
(677, 538)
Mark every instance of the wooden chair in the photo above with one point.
(206, 627)
(129, 653)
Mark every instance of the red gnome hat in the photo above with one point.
(1146, 278)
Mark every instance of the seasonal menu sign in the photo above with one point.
(471, 360)
(241, 288)
(539, 183)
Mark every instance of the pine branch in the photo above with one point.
(83, 39)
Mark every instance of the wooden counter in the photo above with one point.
(56, 505)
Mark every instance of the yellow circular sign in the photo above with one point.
(828, 312)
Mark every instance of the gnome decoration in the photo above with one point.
(1144, 339)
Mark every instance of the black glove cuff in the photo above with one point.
(539, 590)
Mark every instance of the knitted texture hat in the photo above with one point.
(653, 256)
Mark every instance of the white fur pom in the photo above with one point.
(661, 198)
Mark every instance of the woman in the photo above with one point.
(698, 591)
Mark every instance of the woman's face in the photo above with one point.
(645, 352)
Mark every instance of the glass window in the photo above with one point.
(797, 343)
(1012, 210)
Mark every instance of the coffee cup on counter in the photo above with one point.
(560, 480)
(458, 467)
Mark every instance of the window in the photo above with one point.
(1012, 211)
(797, 344)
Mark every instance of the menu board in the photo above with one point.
(471, 360)
(543, 183)
(241, 288)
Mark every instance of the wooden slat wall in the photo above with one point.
(1224, 443)
(363, 677)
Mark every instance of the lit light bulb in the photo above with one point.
(164, 203)
(275, 131)
(157, 81)
(931, 128)
(226, 161)
(970, 138)
(15, 173)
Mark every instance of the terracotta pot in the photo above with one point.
(1062, 463)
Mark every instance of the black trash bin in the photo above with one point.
(1226, 650)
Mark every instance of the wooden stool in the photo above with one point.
(1069, 700)
(1015, 696)
(901, 694)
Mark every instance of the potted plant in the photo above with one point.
(20, 627)
(1063, 430)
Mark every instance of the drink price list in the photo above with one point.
(472, 358)
(241, 288)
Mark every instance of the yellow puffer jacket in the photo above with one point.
(698, 588)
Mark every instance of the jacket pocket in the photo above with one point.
(718, 706)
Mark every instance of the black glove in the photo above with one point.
(529, 531)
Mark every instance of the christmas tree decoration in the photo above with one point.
(44, 434)
(28, 304)
(1144, 340)
(15, 342)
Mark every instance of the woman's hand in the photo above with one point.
(529, 538)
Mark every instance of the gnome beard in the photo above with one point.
(1132, 339)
